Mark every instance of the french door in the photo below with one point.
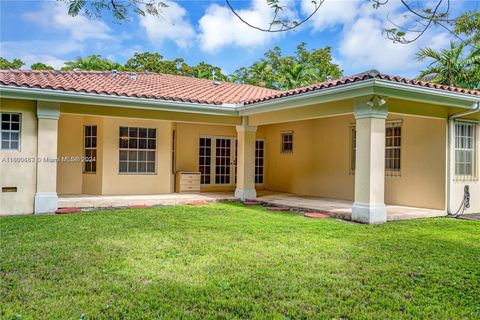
(218, 160)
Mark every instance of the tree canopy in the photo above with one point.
(459, 65)
(274, 70)
(41, 66)
(287, 72)
(8, 65)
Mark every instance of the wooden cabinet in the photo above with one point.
(187, 182)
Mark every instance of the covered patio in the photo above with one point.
(335, 208)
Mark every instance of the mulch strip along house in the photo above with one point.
(371, 139)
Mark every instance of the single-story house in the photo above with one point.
(371, 139)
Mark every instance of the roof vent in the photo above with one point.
(216, 83)
(373, 73)
(133, 76)
(114, 73)
(76, 69)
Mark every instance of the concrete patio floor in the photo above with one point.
(336, 208)
(341, 208)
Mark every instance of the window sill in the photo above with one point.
(137, 173)
(465, 179)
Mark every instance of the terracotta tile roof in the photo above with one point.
(146, 85)
(372, 74)
(177, 88)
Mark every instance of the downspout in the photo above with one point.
(451, 119)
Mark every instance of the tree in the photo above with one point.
(287, 72)
(41, 66)
(460, 64)
(468, 26)
(418, 17)
(8, 65)
(298, 75)
(93, 62)
(451, 66)
(207, 71)
(120, 9)
(153, 62)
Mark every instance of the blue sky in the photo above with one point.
(207, 31)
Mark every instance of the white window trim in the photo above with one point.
(19, 148)
(233, 159)
(128, 149)
(388, 173)
(264, 148)
(213, 148)
(352, 148)
(85, 148)
(392, 173)
(282, 134)
(474, 175)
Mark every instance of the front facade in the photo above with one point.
(369, 139)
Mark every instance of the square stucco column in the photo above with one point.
(245, 188)
(46, 199)
(369, 206)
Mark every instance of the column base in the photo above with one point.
(46, 202)
(244, 194)
(369, 213)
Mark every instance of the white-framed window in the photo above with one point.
(393, 148)
(174, 155)
(223, 160)
(353, 148)
(90, 149)
(10, 131)
(137, 150)
(259, 161)
(205, 160)
(287, 142)
(465, 141)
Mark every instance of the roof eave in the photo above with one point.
(362, 88)
(28, 93)
(417, 93)
(343, 92)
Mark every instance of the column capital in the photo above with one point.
(371, 107)
(244, 127)
(48, 110)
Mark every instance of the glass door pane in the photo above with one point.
(223, 157)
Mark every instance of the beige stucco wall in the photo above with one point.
(319, 165)
(70, 144)
(188, 135)
(423, 164)
(107, 180)
(23, 174)
(114, 182)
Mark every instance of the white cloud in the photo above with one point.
(363, 45)
(171, 26)
(332, 13)
(220, 28)
(54, 16)
(49, 60)
(72, 36)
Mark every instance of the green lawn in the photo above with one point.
(229, 261)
